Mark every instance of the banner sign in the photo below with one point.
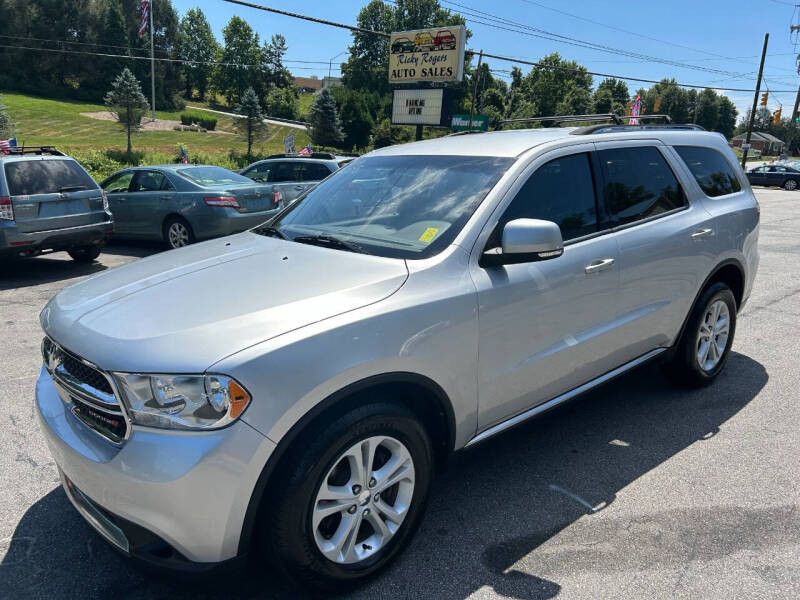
(427, 55)
(479, 123)
(417, 107)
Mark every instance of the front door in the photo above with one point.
(117, 190)
(546, 327)
(144, 200)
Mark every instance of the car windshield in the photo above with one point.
(395, 206)
(213, 176)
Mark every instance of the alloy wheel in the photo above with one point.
(790, 184)
(712, 337)
(363, 499)
(178, 235)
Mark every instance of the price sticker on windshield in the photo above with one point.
(428, 235)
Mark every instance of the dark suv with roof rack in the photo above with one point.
(48, 203)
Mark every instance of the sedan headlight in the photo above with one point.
(182, 401)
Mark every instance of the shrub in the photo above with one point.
(187, 118)
(209, 123)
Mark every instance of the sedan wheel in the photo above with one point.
(178, 234)
(790, 184)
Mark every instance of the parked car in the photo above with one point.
(783, 176)
(181, 204)
(49, 203)
(402, 45)
(292, 174)
(444, 40)
(294, 388)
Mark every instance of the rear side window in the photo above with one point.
(712, 172)
(284, 171)
(314, 172)
(561, 191)
(31, 177)
(638, 184)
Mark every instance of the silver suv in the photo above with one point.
(293, 174)
(293, 389)
(48, 202)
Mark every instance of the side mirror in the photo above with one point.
(525, 240)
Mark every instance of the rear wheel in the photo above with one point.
(85, 254)
(178, 233)
(706, 342)
(790, 184)
(349, 498)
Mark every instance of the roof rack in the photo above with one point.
(566, 119)
(18, 150)
(321, 155)
(624, 128)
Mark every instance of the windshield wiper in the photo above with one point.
(328, 241)
(270, 231)
(72, 188)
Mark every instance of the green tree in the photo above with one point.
(385, 134)
(6, 126)
(617, 88)
(197, 43)
(127, 102)
(250, 124)
(673, 101)
(241, 55)
(271, 70)
(282, 102)
(326, 128)
(707, 109)
(726, 121)
(556, 84)
(354, 110)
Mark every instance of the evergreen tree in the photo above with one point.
(250, 123)
(197, 43)
(326, 129)
(127, 102)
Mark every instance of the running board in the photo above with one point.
(540, 408)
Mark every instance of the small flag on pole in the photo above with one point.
(5, 147)
(184, 156)
(307, 151)
(145, 4)
(635, 110)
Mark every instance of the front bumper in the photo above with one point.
(188, 491)
(14, 242)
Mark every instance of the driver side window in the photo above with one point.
(119, 184)
(561, 191)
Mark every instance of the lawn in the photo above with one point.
(41, 121)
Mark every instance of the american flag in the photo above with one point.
(184, 156)
(306, 151)
(635, 110)
(145, 4)
(4, 147)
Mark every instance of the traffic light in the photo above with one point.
(656, 105)
(764, 97)
(776, 117)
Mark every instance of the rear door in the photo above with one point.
(286, 178)
(665, 241)
(52, 193)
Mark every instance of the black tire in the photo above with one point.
(684, 367)
(287, 535)
(177, 223)
(790, 185)
(85, 254)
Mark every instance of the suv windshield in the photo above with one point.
(213, 176)
(395, 206)
(31, 177)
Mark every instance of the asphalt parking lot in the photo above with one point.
(637, 490)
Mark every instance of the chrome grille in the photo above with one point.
(87, 391)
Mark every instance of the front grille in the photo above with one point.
(86, 374)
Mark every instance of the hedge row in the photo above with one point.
(203, 121)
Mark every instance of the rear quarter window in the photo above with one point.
(31, 177)
(713, 173)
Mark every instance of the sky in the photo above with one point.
(717, 42)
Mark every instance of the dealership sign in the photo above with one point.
(461, 123)
(435, 54)
(417, 107)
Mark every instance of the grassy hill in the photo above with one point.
(100, 145)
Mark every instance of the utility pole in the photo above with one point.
(755, 102)
(475, 89)
(152, 62)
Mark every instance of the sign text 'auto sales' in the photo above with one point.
(435, 55)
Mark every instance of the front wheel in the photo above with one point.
(706, 342)
(85, 254)
(350, 497)
(790, 184)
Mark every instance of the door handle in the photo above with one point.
(598, 265)
(702, 233)
(299, 188)
(164, 198)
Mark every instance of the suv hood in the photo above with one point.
(183, 310)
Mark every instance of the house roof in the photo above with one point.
(308, 82)
(760, 135)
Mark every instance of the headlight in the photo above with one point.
(182, 401)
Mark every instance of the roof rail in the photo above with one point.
(321, 155)
(566, 119)
(623, 128)
(17, 150)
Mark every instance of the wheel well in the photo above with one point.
(422, 396)
(731, 275)
(170, 217)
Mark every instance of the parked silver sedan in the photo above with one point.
(181, 204)
(291, 390)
